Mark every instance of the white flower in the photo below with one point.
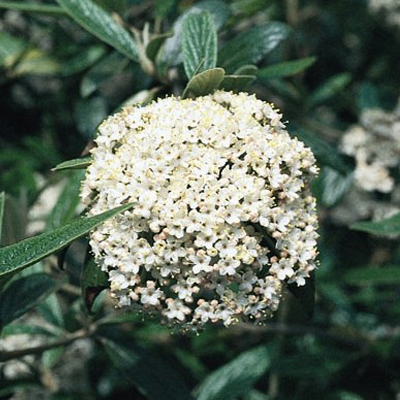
(212, 178)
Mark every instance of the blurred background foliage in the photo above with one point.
(332, 60)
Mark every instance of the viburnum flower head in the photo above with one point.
(223, 217)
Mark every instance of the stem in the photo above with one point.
(292, 12)
(10, 355)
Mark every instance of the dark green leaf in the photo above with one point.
(32, 7)
(387, 275)
(82, 60)
(89, 113)
(77, 163)
(325, 153)
(2, 200)
(67, 202)
(236, 83)
(155, 379)
(52, 356)
(252, 46)
(368, 97)
(204, 83)
(246, 70)
(331, 186)
(118, 6)
(24, 294)
(305, 294)
(102, 25)
(104, 70)
(93, 281)
(287, 68)
(235, 378)
(25, 329)
(386, 226)
(328, 89)
(199, 43)
(155, 44)
(29, 251)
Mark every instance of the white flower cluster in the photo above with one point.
(390, 8)
(375, 146)
(224, 213)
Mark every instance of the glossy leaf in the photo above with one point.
(67, 202)
(386, 275)
(29, 251)
(199, 43)
(324, 152)
(101, 24)
(32, 7)
(76, 163)
(155, 379)
(24, 294)
(287, 68)
(329, 89)
(252, 46)
(204, 83)
(387, 226)
(235, 378)
(2, 201)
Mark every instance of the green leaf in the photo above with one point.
(36, 62)
(252, 46)
(24, 294)
(82, 60)
(76, 163)
(89, 113)
(93, 281)
(387, 275)
(386, 226)
(52, 356)
(305, 294)
(199, 43)
(29, 251)
(51, 311)
(328, 89)
(101, 24)
(155, 379)
(25, 329)
(11, 48)
(173, 45)
(368, 97)
(204, 83)
(324, 152)
(235, 378)
(67, 202)
(236, 83)
(32, 7)
(287, 68)
(248, 69)
(155, 44)
(108, 67)
(2, 201)
(331, 186)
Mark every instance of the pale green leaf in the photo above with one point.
(252, 46)
(11, 48)
(204, 83)
(287, 68)
(386, 275)
(24, 294)
(101, 24)
(386, 226)
(199, 43)
(36, 62)
(76, 163)
(235, 378)
(32, 7)
(29, 251)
